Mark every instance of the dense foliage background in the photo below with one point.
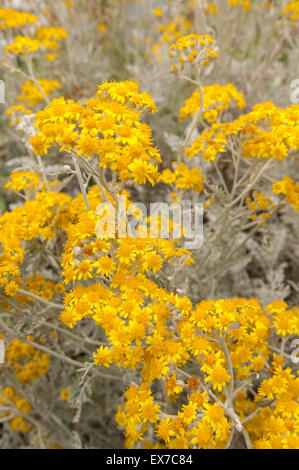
(141, 342)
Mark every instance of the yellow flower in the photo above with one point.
(32, 95)
(15, 19)
(149, 410)
(163, 430)
(102, 357)
(105, 265)
(214, 414)
(87, 145)
(65, 394)
(203, 436)
(158, 12)
(152, 262)
(218, 376)
(23, 45)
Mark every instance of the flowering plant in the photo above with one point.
(114, 334)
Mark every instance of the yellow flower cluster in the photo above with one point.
(180, 25)
(184, 178)
(31, 95)
(29, 182)
(15, 19)
(285, 321)
(107, 126)
(23, 45)
(210, 8)
(170, 32)
(266, 132)
(107, 278)
(113, 285)
(10, 396)
(197, 374)
(49, 36)
(222, 337)
(196, 49)
(274, 426)
(260, 206)
(45, 37)
(246, 4)
(291, 10)
(289, 189)
(217, 98)
(41, 217)
(28, 362)
(15, 112)
(113, 280)
(23, 180)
